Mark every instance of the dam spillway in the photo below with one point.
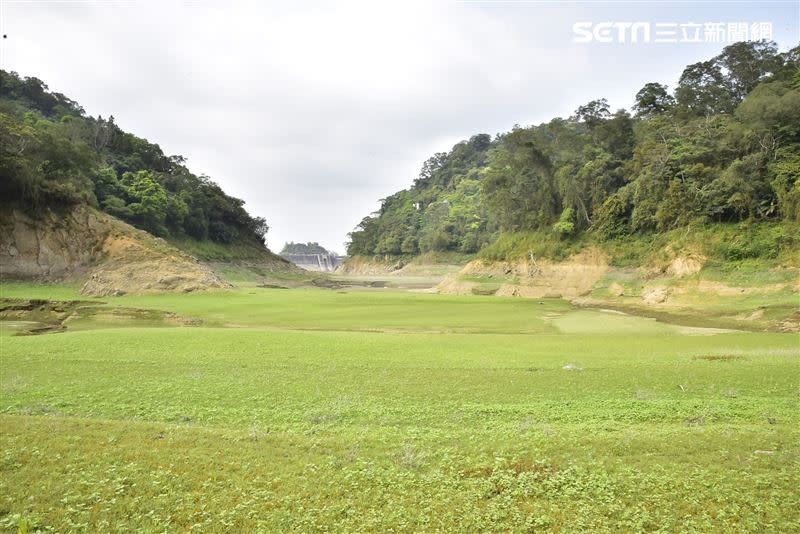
(315, 262)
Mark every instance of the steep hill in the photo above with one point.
(80, 196)
(53, 155)
(688, 206)
(723, 147)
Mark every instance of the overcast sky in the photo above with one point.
(311, 112)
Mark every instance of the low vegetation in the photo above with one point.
(725, 245)
(376, 410)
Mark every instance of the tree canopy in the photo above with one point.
(52, 154)
(723, 147)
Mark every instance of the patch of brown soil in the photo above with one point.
(616, 290)
(686, 265)
(54, 245)
(358, 266)
(134, 268)
(791, 323)
(451, 285)
(718, 358)
(752, 316)
(670, 296)
(38, 316)
(656, 295)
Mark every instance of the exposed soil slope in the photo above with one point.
(680, 286)
(83, 244)
(531, 277)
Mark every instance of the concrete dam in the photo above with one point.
(315, 262)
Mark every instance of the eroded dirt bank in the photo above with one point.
(678, 286)
(108, 255)
(531, 277)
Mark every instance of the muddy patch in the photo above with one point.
(271, 286)
(719, 357)
(37, 316)
(27, 317)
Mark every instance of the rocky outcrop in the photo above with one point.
(360, 266)
(82, 244)
(51, 247)
(682, 266)
(531, 277)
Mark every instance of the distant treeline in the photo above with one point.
(724, 146)
(303, 248)
(52, 154)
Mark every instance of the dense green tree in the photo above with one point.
(746, 64)
(784, 171)
(518, 185)
(52, 155)
(147, 200)
(442, 211)
(724, 147)
(702, 90)
(565, 225)
(652, 99)
(592, 113)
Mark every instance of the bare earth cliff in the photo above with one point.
(531, 278)
(108, 255)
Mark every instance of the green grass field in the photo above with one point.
(387, 411)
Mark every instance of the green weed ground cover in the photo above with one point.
(315, 410)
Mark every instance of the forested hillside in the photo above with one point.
(52, 155)
(723, 147)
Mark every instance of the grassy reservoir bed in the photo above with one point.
(310, 409)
